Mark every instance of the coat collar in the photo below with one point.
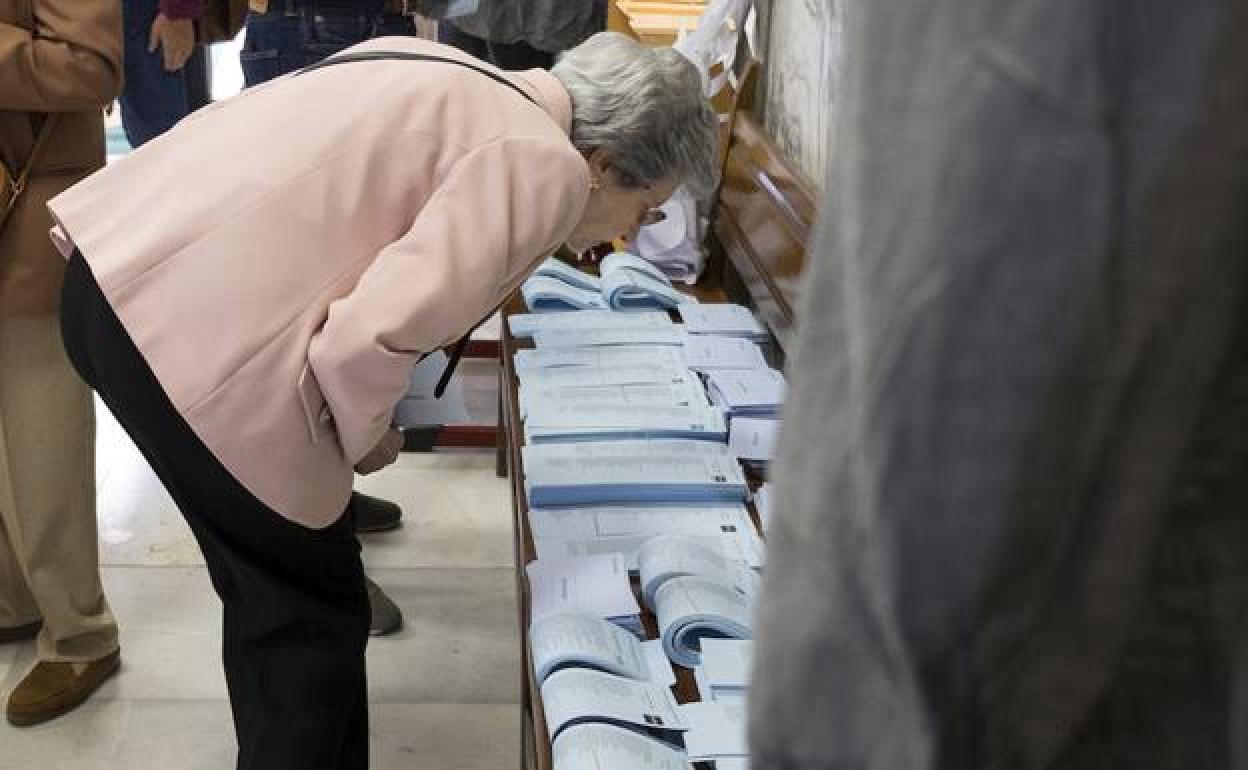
(550, 94)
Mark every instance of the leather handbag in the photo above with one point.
(12, 185)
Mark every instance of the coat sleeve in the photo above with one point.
(504, 204)
(70, 61)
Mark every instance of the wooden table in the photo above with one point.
(536, 744)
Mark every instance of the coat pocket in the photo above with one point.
(316, 412)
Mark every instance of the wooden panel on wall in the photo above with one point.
(762, 223)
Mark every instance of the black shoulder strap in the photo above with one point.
(390, 55)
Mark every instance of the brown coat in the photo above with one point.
(64, 57)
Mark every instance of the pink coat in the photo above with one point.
(282, 258)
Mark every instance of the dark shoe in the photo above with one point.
(372, 514)
(386, 618)
(52, 689)
(25, 633)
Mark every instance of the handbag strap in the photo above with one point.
(363, 56)
(18, 184)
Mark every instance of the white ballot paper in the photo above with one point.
(753, 438)
(581, 640)
(559, 270)
(727, 662)
(576, 695)
(593, 746)
(622, 529)
(665, 557)
(602, 376)
(707, 352)
(732, 763)
(552, 422)
(693, 608)
(578, 338)
(622, 355)
(715, 730)
(726, 320)
(763, 503)
(526, 324)
(748, 392)
(543, 294)
(597, 585)
(640, 397)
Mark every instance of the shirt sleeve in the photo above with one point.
(182, 10)
(71, 61)
(504, 204)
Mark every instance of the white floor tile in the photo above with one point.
(459, 643)
(445, 737)
(456, 512)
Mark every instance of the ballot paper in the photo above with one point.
(629, 290)
(685, 393)
(716, 730)
(557, 269)
(526, 324)
(543, 294)
(592, 746)
(664, 557)
(597, 585)
(582, 640)
(747, 392)
(753, 438)
(707, 352)
(583, 338)
(674, 243)
(577, 695)
(763, 503)
(622, 529)
(722, 319)
(551, 422)
(600, 376)
(659, 357)
(593, 473)
(725, 669)
(692, 608)
(732, 763)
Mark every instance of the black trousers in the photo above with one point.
(507, 56)
(295, 604)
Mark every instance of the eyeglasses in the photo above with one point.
(653, 217)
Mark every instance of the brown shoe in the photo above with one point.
(52, 689)
(11, 634)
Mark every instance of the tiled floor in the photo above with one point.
(444, 690)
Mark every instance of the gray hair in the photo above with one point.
(645, 108)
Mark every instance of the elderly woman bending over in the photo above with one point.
(248, 292)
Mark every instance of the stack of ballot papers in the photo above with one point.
(581, 640)
(666, 557)
(724, 674)
(709, 352)
(716, 730)
(596, 585)
(587, 338)
(674, 244)
(753, 440)
(549, 422)
(595, 473)
(626, 282)
(610, 374)
(525, 325)
(596, 746)
(577, 695)
(623, 529)
(683, 391)
(549, 360)
(693, 608)
(724, 320)
(747, 392)
(763, 503)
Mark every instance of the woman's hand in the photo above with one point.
(385, 453)
(175, 39)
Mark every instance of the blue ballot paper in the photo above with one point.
(627, 283)
(668, 471)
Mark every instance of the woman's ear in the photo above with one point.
(600, 163)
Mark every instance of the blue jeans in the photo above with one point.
(153, 99)
(294, 34)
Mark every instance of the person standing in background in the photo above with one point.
(526, 34)
(288, 35)
(1011, 484)
(166, 71)
(60, 64)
